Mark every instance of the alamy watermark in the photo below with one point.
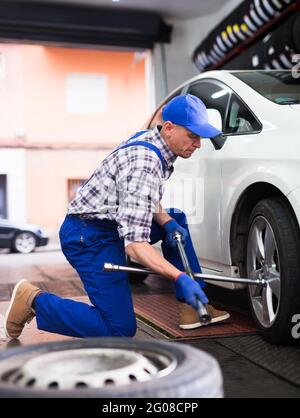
(296, 328)
(183, 193)
(296, 67)
(186, 193)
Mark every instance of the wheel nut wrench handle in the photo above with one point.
(204, 316)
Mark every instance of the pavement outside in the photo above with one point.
(250, 366)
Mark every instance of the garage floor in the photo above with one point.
(251, 367)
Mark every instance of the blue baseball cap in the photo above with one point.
(190, 112)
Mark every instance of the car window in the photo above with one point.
(281, 87)
(3, 193)
(237, 118)
(240, 119)
(214, 96)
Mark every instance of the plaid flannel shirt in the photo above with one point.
(127, 188)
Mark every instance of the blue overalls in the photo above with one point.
(87, 245)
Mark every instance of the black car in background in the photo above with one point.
(21, 238)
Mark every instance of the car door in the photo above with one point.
(217, 170)
(241, 127)
(197, 183)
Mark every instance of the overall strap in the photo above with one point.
(139, 133)
(147, 145)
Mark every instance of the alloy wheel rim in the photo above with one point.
(25, 242)
(263, 262)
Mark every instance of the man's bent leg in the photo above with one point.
(68, 317)
(188, 317)
(87, 245)
(172, 254)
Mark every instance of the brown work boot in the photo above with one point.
(20, 311)
(189, 318)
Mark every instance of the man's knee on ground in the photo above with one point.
(127, 329)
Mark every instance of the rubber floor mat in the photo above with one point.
(284, 361)
(243, 378)
(162, 312)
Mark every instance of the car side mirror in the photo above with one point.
(218, 141)
(215, 119)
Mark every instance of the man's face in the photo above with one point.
(180, 140)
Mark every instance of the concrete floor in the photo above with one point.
(272, 372)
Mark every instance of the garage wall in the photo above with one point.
(187, 35)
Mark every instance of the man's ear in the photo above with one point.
(169, 126)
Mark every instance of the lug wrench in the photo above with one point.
(204, 316)
(212, 277)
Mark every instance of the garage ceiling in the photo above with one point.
(182, 9)
(122, 23)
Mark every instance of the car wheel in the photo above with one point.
(24, 242)
(135, 277)
(109, 368)
(273, 252)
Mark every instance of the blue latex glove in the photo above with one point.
(170, 227)
(189, 290)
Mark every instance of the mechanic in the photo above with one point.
(118, 212)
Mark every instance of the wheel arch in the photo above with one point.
(239, 221)
(21, 231)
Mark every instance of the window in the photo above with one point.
(73, 186)
(86, 94)
(280, 87)
(214, 96)
(237, 118)
(3, 197)
(240, 119)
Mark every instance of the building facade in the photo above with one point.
(61, 111)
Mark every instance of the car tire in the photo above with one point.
(135, 277)
(273, 232)
(24, 243)
(184, 371)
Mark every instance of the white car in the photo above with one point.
(245, 221)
